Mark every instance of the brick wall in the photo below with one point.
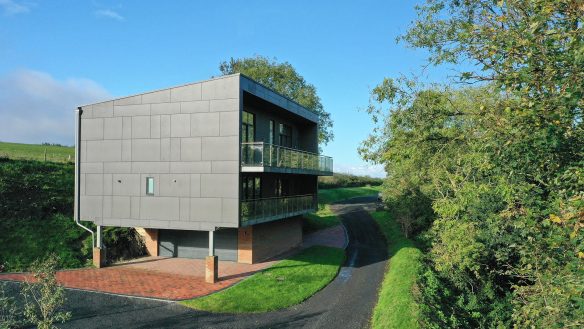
(150, 237)
(263, 241)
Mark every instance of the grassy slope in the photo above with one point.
(36, 215)
(396, 307)
(286, 283)
(324, 217)
(37, 152)
(30, 239)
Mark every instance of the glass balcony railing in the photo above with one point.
(260, 154)
(263, 210)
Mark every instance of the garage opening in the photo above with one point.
(195, 244)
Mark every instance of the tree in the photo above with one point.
(283, 78)
(500, 161)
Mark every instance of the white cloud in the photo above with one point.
(36, 108)
(108, 13)
(10, 7)
(360, 169)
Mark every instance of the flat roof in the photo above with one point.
(246, 84)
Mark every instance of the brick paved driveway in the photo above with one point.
(172, 278)
(155, 277)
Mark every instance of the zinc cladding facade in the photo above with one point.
(186, 138)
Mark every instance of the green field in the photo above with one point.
(286, 283)
(396, 307)
(52, 153)
(324, 217)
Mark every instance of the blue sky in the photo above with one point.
(55, 55)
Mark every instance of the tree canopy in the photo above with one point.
(283, 78)
(489, 170)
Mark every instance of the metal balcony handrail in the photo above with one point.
(260, 154)
(286, 148)
(264, 209)
(279, 197)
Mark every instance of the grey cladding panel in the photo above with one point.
(175, 135)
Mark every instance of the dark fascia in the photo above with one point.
(259, 90)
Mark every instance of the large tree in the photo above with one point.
(283, 78)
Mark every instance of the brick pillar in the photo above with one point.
(150, 237)
(151, 241)
(245, 245)
(211, 269)
(99, 257)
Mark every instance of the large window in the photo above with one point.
(251, 187)
(285, 135)
(248, 127)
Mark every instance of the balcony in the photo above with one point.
(264, 210)
(263, 157)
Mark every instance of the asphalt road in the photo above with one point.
(347, 302)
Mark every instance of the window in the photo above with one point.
(252, 187)
(149, 185)
(272, 131)
(282, 187)
(247, 127)
(285, 135)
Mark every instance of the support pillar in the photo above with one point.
(99, 251)
(245, 245)
(212, 261)
(212, 269)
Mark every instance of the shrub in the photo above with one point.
(9, 314)
(44, 297)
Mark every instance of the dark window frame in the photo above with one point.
(246, 125)
(285, 135)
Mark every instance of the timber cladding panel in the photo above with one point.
(186, 138)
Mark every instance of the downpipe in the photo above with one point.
(77, 198)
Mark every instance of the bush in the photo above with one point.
(123, 243)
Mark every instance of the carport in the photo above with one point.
(195, 244)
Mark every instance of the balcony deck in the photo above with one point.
(269, 209)
(264, 157)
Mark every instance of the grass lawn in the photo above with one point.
(286, 283)
(337, 194)
(396, 307)
(324, 217)
(37, 152)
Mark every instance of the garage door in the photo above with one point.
(195, 244)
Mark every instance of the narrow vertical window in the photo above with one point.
(285, 135)
(272, 131)
(149, 185)
(247, 127)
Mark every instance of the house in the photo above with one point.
(222, 167)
